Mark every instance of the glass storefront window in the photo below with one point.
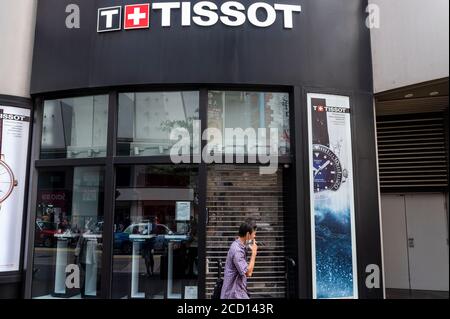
(249, 110)
(75, 127)
(146, 120)
(68, 233)
(155, 232)
(155, 240)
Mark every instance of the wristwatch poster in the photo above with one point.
(14, 135)
(332, 199)
(7, 181)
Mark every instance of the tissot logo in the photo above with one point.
(319, 108)
(109, 19)
(332, 109)
(203, 13)
(137, 16)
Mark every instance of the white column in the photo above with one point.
(61, 263)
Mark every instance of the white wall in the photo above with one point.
(17, 24)
(411, 45)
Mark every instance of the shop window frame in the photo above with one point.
(111, 160)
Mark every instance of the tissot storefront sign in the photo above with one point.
(203, 13)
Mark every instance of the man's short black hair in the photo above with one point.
(248, 226)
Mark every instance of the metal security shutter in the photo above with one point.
(235, 193)
(412, 154)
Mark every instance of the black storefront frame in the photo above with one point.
(297, 189)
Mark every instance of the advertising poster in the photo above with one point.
(14, 133)
(334, 270)
(183, 211)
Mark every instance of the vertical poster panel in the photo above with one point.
(334, 267)
(14, 134)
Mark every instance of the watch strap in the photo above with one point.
(319, 122)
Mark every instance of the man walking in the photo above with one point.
(236, 268)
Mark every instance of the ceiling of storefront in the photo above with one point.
(419, 98)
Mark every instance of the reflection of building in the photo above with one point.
(140, 226)
(85, 117)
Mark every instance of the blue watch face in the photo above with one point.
(327, 169)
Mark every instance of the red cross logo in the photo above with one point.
(137, 16)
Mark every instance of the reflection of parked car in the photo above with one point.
(122, 239)
(45, 233)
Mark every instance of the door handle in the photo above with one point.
(411, 242)
(290, 261)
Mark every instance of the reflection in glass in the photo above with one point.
(155, 232)
(244, 110)
(146, 120)
(68, 233)
(75, 127)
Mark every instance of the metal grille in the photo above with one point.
(234, 194)
(412, 152)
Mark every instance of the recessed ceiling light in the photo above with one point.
(409, 95)
(434, 93)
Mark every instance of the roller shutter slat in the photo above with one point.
(412, 152)
(239, 192)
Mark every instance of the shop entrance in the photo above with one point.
(235, 193)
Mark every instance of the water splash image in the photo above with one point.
(334, 269)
